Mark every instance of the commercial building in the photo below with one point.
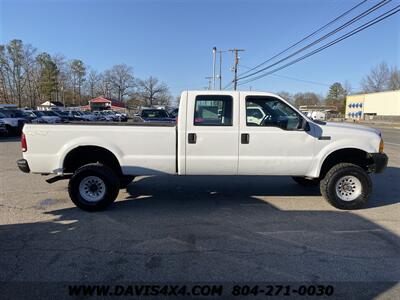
(368, 106)
(101, 103)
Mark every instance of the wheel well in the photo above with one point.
(83, 155)
(349, 155)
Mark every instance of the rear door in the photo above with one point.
(212, 130)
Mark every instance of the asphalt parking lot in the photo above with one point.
(200, 229)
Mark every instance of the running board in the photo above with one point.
(57, 178)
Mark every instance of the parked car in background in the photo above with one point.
(12, 123)
(63, 115)
(47, 116)
(3, 129)
(121, 116)
(75, 115)
(173, 112)
(103, 116)
(155, 115)
(32, 117)
(88, 116)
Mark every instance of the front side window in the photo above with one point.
(213, 110)
(270, 111)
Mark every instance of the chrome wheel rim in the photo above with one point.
(348, 188)
(92, 188)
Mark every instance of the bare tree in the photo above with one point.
(377, 80)
(32, 76)
(306, 99)
(78, 73)
(347, 87)
(93, 80)
(14, 61)
(105, 84)
(394, 79)
(152, 92)
(121, 79)
(287, 96)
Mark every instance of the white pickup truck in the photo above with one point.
(217, 133)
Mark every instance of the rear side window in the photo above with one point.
(213, 110)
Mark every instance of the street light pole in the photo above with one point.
(214, 51)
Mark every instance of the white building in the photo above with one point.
(365, 106)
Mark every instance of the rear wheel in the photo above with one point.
(346, 186)
(93, 187)
(306, 181)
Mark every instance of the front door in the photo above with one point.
(272, 141)
(212, 139)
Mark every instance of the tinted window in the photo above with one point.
(154, 113)
(13, 113)
(213, 110)
(270, 111)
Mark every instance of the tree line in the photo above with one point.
(29, 77)
(381, 78)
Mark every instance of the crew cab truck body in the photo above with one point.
(215, 135)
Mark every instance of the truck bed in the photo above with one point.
(141, 148)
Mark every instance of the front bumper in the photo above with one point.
(23, 165)
(380, 161)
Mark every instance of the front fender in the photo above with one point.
(324, 151)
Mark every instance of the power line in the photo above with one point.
(228, 85)
(341, 38)
(307, 37)
(301, 80)
(293, 78)
(343, 26)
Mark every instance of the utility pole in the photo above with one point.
(214, 52)
(220, 68)
(235, 66)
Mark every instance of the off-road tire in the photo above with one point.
(106, 176)
(336, 173)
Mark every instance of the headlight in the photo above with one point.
(381, 146)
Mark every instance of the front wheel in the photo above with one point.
(346, 186)
(93, 187)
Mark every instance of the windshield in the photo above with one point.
(39, 113)
(13, 113)
(154, 114)
(2, 115)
